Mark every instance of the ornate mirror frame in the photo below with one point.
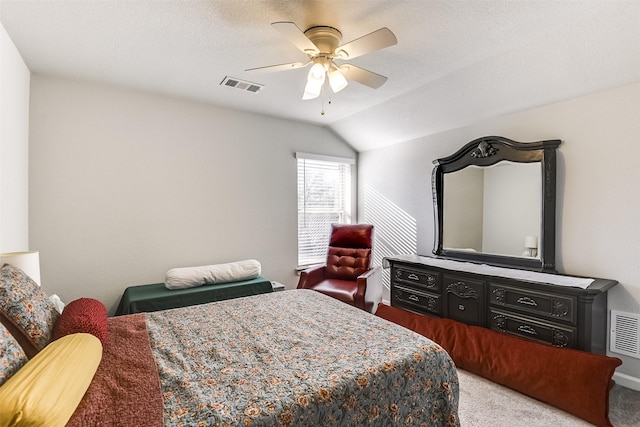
(488, 151)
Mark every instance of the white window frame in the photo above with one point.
(313, 229)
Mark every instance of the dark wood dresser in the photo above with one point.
(565, 311)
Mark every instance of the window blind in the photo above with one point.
(324, 198)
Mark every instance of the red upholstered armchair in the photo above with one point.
(347, 274)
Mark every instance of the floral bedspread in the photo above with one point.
(297, 358)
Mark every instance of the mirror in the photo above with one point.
(494, 209)
(494, 203)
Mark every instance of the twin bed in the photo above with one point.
(287, 358)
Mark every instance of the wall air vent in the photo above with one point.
(625, 333)
(242, 84)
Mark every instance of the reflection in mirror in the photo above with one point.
(493, 210)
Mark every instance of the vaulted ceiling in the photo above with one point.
(456, 61)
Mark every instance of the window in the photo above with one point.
(324, 198)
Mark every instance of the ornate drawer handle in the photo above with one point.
(527, 330)
(527, 301)
(413, 277)
(413, 298)
(462, 290)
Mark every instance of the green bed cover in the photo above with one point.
(157, 297)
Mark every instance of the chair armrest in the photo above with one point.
(370, 272)
(311, 276)
(369, 292)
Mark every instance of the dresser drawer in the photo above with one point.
(550, 306)
(402, 295)
(464, 299)
(522, 326)
(424, 279)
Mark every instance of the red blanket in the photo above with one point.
(125, 390)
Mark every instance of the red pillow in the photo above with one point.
(82, 315)
(574, 381)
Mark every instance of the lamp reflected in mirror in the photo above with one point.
(530, 246)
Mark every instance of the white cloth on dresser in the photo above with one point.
(533, 276)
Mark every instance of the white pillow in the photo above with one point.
(190, 277)
(57, 303)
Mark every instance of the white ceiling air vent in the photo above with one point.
(625, 333)
(241, 84)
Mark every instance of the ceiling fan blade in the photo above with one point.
(296, 36)
(280, 67)
(373, 41)
(362, 76)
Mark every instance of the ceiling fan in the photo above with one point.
(322, 45)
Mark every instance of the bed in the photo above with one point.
(288, 358)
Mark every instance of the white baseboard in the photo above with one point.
(627, 381)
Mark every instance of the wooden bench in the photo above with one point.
(155, 297)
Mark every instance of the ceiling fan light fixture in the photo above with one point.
(312, 89)
(322, 44)
(317, 73)
(337, 81)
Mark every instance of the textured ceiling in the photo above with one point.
(456, 62)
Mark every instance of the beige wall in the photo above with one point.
(14, 147)
(512, 207)
(463, 209)
(598, 231)
(125, 185)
